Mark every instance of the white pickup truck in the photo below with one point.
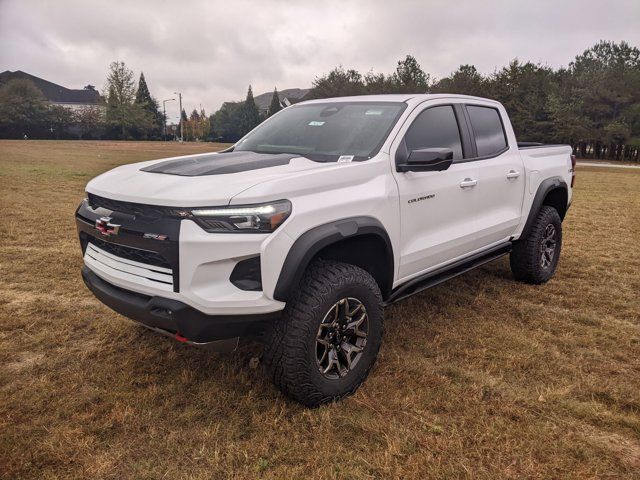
(303, 231)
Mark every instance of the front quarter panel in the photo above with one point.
(338, 191)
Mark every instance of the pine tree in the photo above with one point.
(250, 116)
(150, 117)
(182, 126)
(338, 83)
(225, 123)
(275, 106)
(143, 97)
(465, 80)
(409, 77)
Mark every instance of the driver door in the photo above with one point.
(437, 209)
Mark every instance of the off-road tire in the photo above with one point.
(290, 352)
(526, 256)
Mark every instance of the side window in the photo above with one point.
(435, 127)
(487, 128)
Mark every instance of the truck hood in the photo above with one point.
(197, 180)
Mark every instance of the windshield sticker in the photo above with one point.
(314, 123)
(373, 112)
(345, 158)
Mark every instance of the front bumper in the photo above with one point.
(190, 265)
(173, 316)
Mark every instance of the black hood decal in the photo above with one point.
(220, 163)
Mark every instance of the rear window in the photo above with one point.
(488, 130)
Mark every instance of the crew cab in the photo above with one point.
(302, 232)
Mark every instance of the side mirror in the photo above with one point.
(427, 160)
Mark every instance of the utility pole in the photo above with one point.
(164, 117)
(181, 122)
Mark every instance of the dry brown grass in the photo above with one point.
(481, 377)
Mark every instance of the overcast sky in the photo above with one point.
(212, 50)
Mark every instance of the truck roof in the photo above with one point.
(404, 97)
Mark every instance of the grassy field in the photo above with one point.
(480, 377)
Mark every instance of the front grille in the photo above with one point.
(102, 261)
(130, 253)
(130, 208)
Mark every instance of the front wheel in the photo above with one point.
(534, 259)
(328, 337)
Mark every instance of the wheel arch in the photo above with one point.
(361, 241)
(552, 192)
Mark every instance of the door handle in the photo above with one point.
(513, 174)
(468, 183)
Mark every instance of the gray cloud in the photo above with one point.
(212, 50)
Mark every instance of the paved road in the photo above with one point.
(605, 165)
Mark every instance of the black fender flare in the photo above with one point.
(313, 241)
(546, 186)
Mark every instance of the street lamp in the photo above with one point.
(181, 122)
(164, 117)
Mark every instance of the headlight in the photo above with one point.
(261, 218)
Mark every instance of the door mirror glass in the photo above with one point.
(427, 160)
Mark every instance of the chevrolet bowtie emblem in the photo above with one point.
(105, 227)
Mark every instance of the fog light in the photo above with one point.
(247, 275)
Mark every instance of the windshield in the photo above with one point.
(326, 131)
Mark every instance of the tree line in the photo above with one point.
(125, 111)
(235, 119)
(592, 104)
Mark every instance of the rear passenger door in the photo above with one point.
(501, 176)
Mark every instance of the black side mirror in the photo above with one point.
(427, 160)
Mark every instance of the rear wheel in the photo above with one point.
(328, 337)
(534, 259)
